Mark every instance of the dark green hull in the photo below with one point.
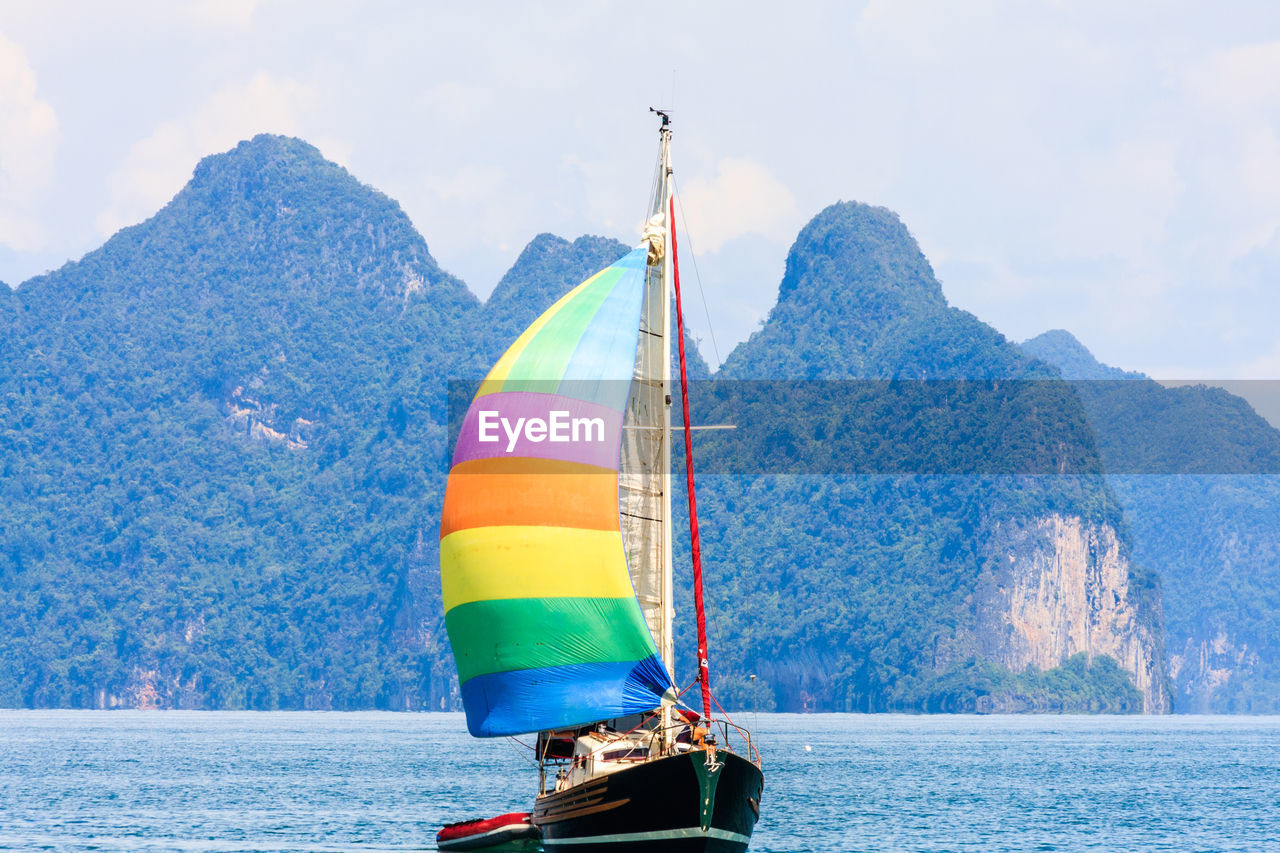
(672, 805)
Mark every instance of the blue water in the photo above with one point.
(315, 781)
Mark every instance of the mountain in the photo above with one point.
(548, 268)
(223, 436)
(221, 451)
(1061, 349)
(223, 443)
(858, 299)
(1196, 470)
(1145, 428)
(827, 318)
(904, 586)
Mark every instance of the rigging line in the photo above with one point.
(723, 711)
(523, 756)
(697, 277)
(680, 693)
(695, 546)
(732, 410)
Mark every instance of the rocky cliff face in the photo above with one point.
(1195, 469)
(1205, 666)
(1057, 586)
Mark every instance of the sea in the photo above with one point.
(230, 781)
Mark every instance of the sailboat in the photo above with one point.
(557, 571)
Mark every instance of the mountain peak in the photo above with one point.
(269, 249)
(550, 265)
(853, 274)
(548, 268)
(860, 249)
(261, 151)
(269, 177)
(1073, 359)
(274, 209)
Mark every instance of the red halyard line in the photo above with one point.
(695, 541)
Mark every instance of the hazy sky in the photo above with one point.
(1108, 168)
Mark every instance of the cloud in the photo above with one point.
(1238, 94)
(1265, 366)
(28, 144)
(1120, 199)
(470, 184)
(743, 198)
(158, 166)
(223, 13)
(452, 103)
(1240, 78)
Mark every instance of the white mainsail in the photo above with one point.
(644, 483)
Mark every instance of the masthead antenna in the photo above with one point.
(662, 114)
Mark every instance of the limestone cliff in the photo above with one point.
(1059, 585)
(1206, 665)
(1195, 470)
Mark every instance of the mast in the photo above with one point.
(667, 649)
(645, 476)
(670, 288)
(644, 485)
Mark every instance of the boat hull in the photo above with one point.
(506, 833)
(676, 804)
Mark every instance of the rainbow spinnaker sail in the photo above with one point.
(544, 623)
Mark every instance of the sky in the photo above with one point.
(1108, 168)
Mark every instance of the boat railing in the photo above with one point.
(728, 731)
(682, 735)
(725, 734)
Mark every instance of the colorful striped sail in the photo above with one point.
(545, 627)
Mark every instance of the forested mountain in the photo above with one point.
(221, 448)
(223, 437)
(1073, 360)
(1198, 473)
(548, 268)
(858, 299)
(904, 587)
(223, 444)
